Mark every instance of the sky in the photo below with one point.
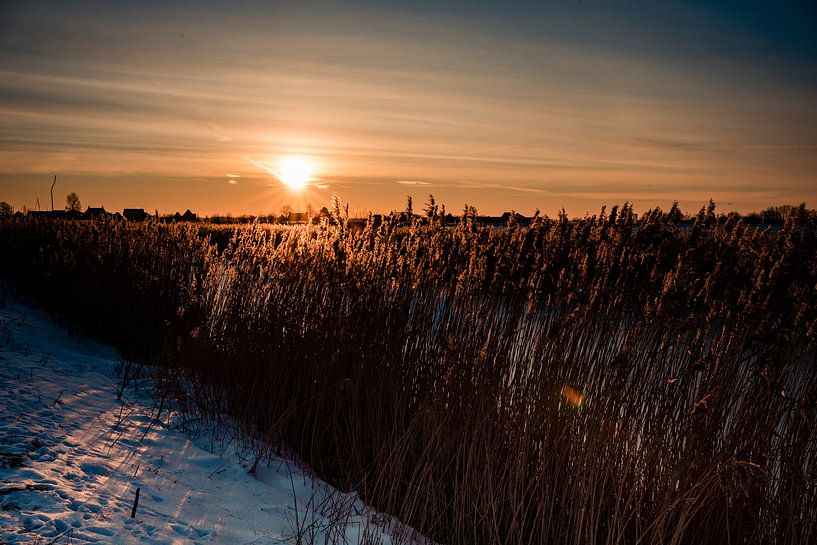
(506, 105)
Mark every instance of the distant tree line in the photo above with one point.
(435, 212)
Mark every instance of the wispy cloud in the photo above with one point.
(412, 182)
(265, 168)
(484, 185)
(219, 134)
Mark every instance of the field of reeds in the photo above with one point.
(587, 381)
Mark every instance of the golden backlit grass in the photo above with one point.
(585, 381)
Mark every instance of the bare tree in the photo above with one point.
(72, 203)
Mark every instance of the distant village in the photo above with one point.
(286, 217)
(73, 211)
(91, 213)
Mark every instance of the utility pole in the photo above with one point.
(52, 192)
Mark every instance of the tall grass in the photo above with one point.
(585, 381)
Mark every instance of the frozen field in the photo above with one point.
(72, 458)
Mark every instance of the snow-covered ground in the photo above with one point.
(72, 458)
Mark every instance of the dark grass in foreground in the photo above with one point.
(575, 382)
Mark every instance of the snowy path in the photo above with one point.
(72, 457)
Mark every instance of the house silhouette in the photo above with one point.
(135, 214)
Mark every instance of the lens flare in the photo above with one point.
(574, 397)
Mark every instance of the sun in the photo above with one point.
(295, 172)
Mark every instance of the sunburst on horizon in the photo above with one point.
(295, 171)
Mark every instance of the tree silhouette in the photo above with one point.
(72, 203)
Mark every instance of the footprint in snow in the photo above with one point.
(181, 530)
(94, 469)
(101, 530)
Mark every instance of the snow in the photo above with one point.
(72, 458)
